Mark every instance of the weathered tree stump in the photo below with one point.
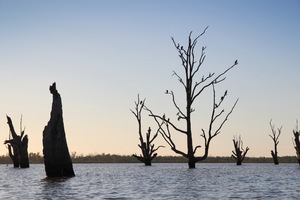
(297, 144)
(17, 146)
(57, 159)
(275, 157)
(239, 153)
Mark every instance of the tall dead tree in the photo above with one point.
(275, 135)
(239, 153)
(17, 146)
(297, 142)
(57, 158)
(147, 147)
(194, 88)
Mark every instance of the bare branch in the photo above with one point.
(202, 81)
(200, 62)
(199, 146)
(179, 152)
(179, 78)
(204, 136)
(180, 113)
(165, 133)
(11, 127)
(200, 34)
(158, 148)
(214, 81)
(226, 118)
(168, 122)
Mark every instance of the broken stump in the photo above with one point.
(57, 159)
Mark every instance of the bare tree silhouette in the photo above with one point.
(193, 89)
(239, 153)
(275, 135)
(17, 146)
(147, 148)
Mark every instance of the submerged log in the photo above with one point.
(57, 159)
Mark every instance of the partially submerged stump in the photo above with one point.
(239, 153)
(297, 144)
(17, 146)
(57, 159)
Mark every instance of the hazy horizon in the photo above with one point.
(102, 54)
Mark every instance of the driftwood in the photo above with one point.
(57, 159)
(17, 146)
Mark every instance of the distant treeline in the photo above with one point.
(113, 158)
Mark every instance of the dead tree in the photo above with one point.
(239, 153)
(17, 146)
(147, 148)
(194, 88)
(297, 142)
(275, 135)
(57, 159)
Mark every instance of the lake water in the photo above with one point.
(159, 181)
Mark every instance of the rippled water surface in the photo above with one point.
(160, 181)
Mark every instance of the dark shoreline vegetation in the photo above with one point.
(36, 158)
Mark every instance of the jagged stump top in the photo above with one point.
(57, 159)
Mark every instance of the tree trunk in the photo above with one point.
(275, 135)
(14, 156)
(297, 144)
(57, 159)
(192, 164)
(275, 157)
(24, 161)
(148, 162)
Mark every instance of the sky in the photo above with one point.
(102, 54)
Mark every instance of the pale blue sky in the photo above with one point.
(103, 53)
